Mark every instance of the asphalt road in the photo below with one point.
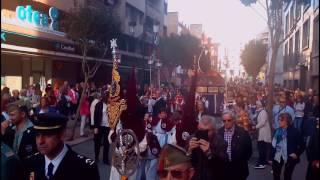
(86, 148)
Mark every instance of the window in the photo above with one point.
(306, 4)
(315, 41)
(315, 4)
(297, 46)
(298, 10)
(285, 59)
(306, 34)
(291, 16)
(165, 8)
(291, 59)
(287, 24)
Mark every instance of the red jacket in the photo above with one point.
(84, 108)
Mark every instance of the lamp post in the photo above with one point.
(158, 65)
(153, 56)
(150, 62)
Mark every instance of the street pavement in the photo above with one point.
(86, 148)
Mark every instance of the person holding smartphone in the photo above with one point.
(207, 150)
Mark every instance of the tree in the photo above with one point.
(253, 57)
(91, 28)
(274, 11)
(179, 50)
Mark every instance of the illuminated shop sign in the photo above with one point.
(38, 19)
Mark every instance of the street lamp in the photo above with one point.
(150, 62)
(158, 65)
(153, 56)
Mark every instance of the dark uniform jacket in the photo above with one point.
(241, 151)
(72, 166)
(27, 145)
(11, 166)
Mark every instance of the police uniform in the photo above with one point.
(11, 166)
(71, 166)
(27, 145)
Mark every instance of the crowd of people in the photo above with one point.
(33, 123)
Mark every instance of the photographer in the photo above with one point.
(208, 150)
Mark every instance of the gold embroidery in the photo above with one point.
(116, 106)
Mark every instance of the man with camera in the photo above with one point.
(207, 150)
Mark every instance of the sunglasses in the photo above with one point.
(227, 120)
(174, 173)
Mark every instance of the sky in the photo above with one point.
(227, 22)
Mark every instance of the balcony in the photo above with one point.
(154, 12)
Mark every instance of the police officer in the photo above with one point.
(18, 132)
(56, 160)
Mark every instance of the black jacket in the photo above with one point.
(72, 166)
(241, 151)
(313, 147)
(27, 145)
(97, 117)
(213, 166)
(294, 142)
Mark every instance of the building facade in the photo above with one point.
(34, 49)
(301, 48)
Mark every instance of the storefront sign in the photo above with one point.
(65, 47)
(38, 19)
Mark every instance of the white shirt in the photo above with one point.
(105, 120)
(56, 161)
(92, 107)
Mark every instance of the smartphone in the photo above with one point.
(202, 134)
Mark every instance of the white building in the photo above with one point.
(301, 49)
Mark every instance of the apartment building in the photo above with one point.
(301, 48)
(39, 52)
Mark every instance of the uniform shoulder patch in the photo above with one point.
(86, 160)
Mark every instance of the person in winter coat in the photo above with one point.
(264, 135)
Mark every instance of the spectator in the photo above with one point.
(35, 99)
(97, 98)
(208, 151)
(44, 107)
(101, 129)
(287, 146)
(15, 96)
(200, 111)
(243, 117)
(84, 113)
(239, 148)
(264, 135)
(64, 106)
(151, 102)
(313, 155)
(281, 108)
(299, 113)
(25, 98)
(19, 135)
(159, 104)
(51, 98)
